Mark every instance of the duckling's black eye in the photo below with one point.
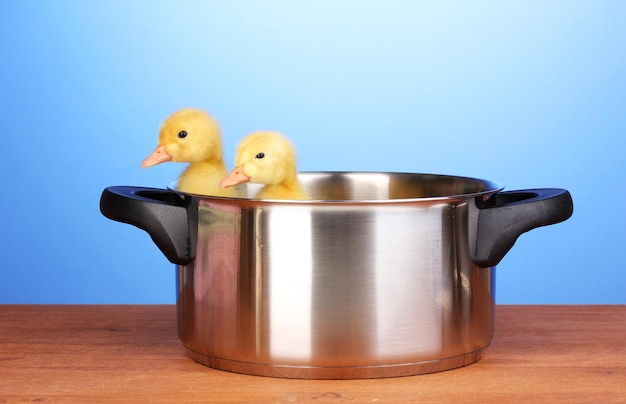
(260, 155)
(182, 134)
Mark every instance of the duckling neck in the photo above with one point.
(207, 170)
(203, 178)
(201, 166)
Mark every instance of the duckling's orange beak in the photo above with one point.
(237, 176)
(159, 155)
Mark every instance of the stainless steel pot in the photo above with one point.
(388, 274)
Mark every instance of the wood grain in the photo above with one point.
(132, 354)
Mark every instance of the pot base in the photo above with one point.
(345, 372)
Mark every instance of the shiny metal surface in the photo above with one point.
(374, 280)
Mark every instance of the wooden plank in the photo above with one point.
(132, 353)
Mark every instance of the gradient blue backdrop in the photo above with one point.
(528, 93)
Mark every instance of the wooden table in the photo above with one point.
(132, 354)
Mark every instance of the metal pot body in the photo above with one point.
(380, 288)
(380, 275)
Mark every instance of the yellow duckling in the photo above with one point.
(191, 135)
(269, 158)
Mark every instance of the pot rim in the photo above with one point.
(490, 188)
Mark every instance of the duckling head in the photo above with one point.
(263, 157)
(188, 135)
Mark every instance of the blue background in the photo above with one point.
(528, 93)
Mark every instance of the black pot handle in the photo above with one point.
(506, 215)
(162, 213)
